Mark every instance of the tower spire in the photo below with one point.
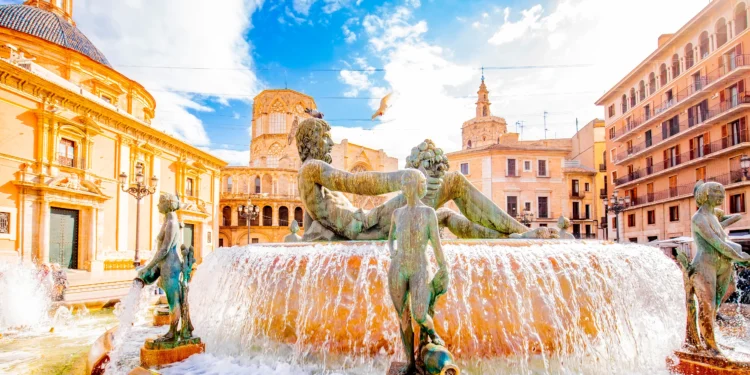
(483, 102)
(482, 73)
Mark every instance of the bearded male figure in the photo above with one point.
(327, 209)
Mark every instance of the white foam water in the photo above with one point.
(530, 308)
(128, 310)
(24, 299)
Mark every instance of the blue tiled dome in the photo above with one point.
(49, 26)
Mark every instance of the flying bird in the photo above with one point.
(383, 106)
(314, 113)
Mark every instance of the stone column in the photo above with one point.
(123, 198)
(235, 215)
(275, 215)
(44, 220)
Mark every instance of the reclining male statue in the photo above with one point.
(330, 215)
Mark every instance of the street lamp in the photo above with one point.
(139, 190)
(617, 205)
(745, 164)
(526, 217)
(249, 212)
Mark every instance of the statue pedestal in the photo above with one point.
(399, 368)
(701, 364)
(161, 316)
(155, 354)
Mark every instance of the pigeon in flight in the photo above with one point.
(314, 113)
(383, 106)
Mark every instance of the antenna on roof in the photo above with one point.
(545, 124)
(576, 124)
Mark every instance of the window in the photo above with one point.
(651, 217)
(624, 103)
(674, 213)
(299, 216)
(647, 111)
(465, 169)
(511, 171)
(267, 216)
(283, 216)
(4, 222)
(641, 90)
(631, 220)
(106, 99)
(277, 123)
(226, 216)
(229, 184)
(721, 32)
(468, 144)
(542, 225)
(632, 97)
(689, 56)
(633, 239)
(737, 203)
(66, 153)
(272, 161)
(512, 207)
(652, 238)
(663, 74)
(587, 187)
(675, 66)
(576, 210)
(574, 188)
(612, 132)
(611, 110)
(257, 185)
(542, 211)
(740, 18)
(614, 223)
(254, 240)
(542, 168)
(650, 192)
(189, 187)
(704, 45)
(672, 186)
(651, 83)
(588, 212)
(700, 174)
(527, 165)
(527, 206)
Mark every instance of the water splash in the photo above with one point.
(127, 312)
(564, 307)
(24, 300)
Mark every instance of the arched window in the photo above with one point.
(226, 216)
(241, 221)
(632, 97)
(624, 103)
(299, 216)
(675, 66)
(651, 83)
(255, 222)
(689, 56)
(705, 43)
(663, 74)
(642, 90)
(229, 184)
(740, 18)
(283, 216)
(257, 185)
(468, 144)
(277, 123)
(721, 32)
(484, 111)
(267, 216)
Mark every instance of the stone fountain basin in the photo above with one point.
(507, 299)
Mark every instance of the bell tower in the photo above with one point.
(63, 8)
(483, 101)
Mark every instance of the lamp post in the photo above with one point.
(249, 212)
(139, 190)
(526, 217)
(745, 164)
(617, 205)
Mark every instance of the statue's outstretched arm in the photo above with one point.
(363, 183)
(165, 237)
(478, 208)
(716, 240)
(728, 220)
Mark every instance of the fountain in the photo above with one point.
(514, 300)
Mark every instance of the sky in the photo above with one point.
(204, 61)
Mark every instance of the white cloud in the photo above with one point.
(232, 157)
(302, 6)
(414, 3)
(357, 80)
(137, 34)
(349, 35)
(511, 31)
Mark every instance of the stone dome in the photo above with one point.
(48, 26)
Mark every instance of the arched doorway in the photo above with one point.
(267, 216)
(299, 215)
(283, 216)
(226, 216)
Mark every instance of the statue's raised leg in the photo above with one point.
(461, 227)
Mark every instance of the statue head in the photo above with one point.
(709, 193)
(314, 140)
(413, 185)
(563, 223)
(294, 227)
(168, 203)
(429, 157)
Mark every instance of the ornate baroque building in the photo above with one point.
(270, 180)
(540, 179)
(71, 124)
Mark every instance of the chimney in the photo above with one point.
(663, 38)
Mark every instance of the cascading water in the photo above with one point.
(513, 307)
(24, 299)
(127, 311)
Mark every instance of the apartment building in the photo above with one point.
(678, 117)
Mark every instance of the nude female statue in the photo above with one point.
(321, 187)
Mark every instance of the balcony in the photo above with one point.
(603, 193)
(668, 105)
(603, 222)
(71, 162)
(584, 236)
(602, 167)
(694, 154)
(545, 215)
(580, 217)
(712, 116)
(577, 194)
(683, 191)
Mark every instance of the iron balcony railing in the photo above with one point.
(602, 167)
(673, 129)
(685, 190)
(602, 193)
(668, 102)
(603, 222)
(580, 216)
(578, 194)
(696, 153)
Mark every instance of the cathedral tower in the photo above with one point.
(484, 129)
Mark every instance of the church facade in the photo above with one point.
(71, 125)
(270, 179)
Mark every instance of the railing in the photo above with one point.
(602, 167)
(683, 125)
(235, 195)
(602, 193)
(690, 90)
(580, 217)
(603, 222)
(693, 154)
(577, 194)
(584, 236)
(685, 190)
(545, 215)
(71, 162)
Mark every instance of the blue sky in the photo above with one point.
(205, 60)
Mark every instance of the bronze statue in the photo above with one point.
(413, 227)
(173, 274)
(330, 215)
(708, 276)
